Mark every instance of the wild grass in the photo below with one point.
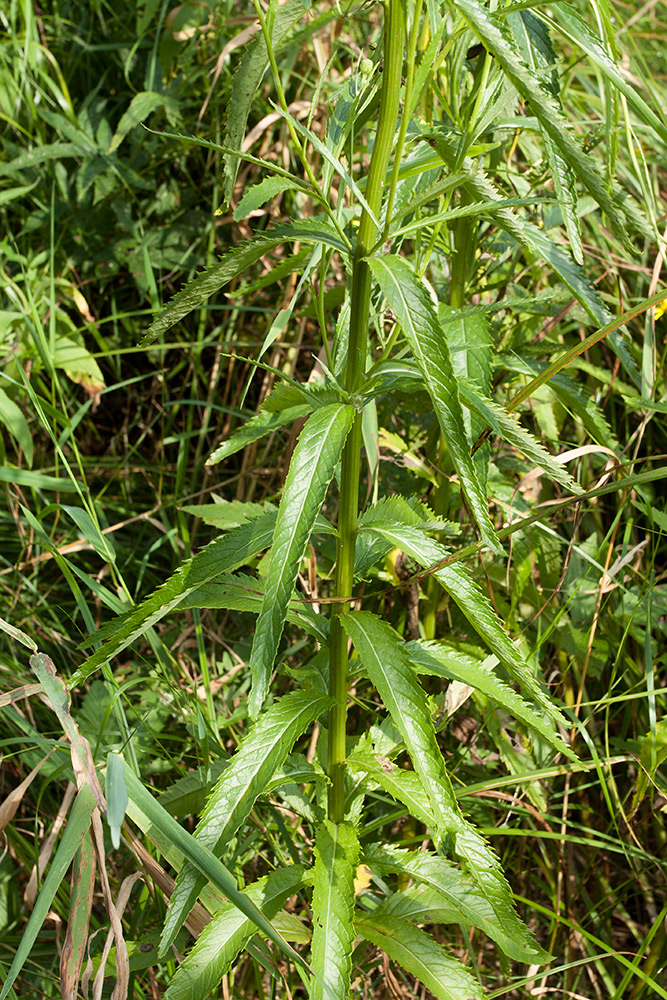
(127, 168)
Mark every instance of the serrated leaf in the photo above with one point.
(476, 607)
(259, 194)
(433, 658)
(210, 867)
(420, 955)
(262, 751)
(457, 891)
(254, 430)
(507, 426)
(140, 108)
(221, 555)
(336, 859)
(498, 40)
(195, 293)
(414, 310)
(229, 931)
(528, 235)
(403, 786)
(237, 592)
(247, 79)
(384, 656)
(76, 828)
(534, 41)
(312, 467)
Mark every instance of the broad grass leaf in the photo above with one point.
(81, 902)
(534, 42)
(336, 860)
(14, 420)
(457, 891)
(477, 608)
(420, 955)
(230, 930)
(433, 658)
(414, 310)
(141, 107)
(220, 556)
(254, 430)
(312, 467)
(263, 750)
(238, 260)
(211, 868)
(76, 829)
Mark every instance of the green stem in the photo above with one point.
(356, 361)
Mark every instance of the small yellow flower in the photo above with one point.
(660, 309)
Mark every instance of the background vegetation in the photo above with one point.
(104, 466)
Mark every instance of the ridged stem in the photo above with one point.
(356, 361)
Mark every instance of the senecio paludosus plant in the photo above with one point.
(403, 190)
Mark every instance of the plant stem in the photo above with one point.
(356, 362)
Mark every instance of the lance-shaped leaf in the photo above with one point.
(506, 425)
(412, 305)
(238, 260)
(229, 931)
(420, 955)
(76, 829)
(477, 608)
(220, 556)
(498, 39)
(311, 470)
(263, 750)
(432, 658)
(534, 41)
(211, 868)
(403, 786)
(456, 891)
(254, 430)
(383, 654)
(336, 859)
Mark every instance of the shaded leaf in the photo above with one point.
(336, 858)
(262, 751)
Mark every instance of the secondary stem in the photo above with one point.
(356, 362)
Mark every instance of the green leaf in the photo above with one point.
(220, 556)
(477, 608)
(12, 417)
(91, 532)
(259, 194)
(245, 593)
(247, 79)
(263, 750)
(457, 892)
(141, 107)
(238, 260)
(311, 470)
(403, 786)
(498, 40)
(414, 310)
(116, 796)
(255, 429)
(433, 658)
(507, 426)
(534, 41)
(229, 931)
(419, 955)
(210, 867)
(76, 829)
(336, 859)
